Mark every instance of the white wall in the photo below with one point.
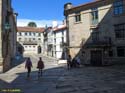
(58, 37)
(25, 38)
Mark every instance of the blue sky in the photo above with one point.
(41, 11)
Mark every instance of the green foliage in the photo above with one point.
(32, 24)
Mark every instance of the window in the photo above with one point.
(20, 39)
(77, 17)
(121, 51)
(119, 30)
(39, 34)
(26, 33)
(34, 33)
(39, 38)
(29, 39)
(62, 39)
(110, 53)
(94, 15)
(30, 33)
(20, 33)
(25, 39)
(95, 36)
(118, 7)
(54, 40)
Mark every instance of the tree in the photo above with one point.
(32, 24)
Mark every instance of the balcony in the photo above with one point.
(30, 43)
(94, 23)
(101, 43)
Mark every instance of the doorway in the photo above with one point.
(96, 57)
(39, 49)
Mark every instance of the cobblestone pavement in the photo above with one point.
(93, 80)
(58, 79)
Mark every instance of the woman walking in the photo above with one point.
(28, 66)
(40, 66)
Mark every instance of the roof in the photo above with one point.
(58, 29)
(86, 4)
(30, 29)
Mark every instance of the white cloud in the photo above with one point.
(40, 23)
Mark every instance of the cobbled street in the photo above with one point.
(58, 79)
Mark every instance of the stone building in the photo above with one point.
(48, 40)
(7, 34)
(31, 38)
(96, 31)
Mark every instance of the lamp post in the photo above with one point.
(6, 43)
(7, 30)
(7, 26)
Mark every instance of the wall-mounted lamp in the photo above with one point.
(7, 26)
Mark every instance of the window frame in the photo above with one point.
(77, 17)
(119, 31)
(94, 13)
(121, 53)
(20, 39)
(118, 7)
(25, 33)
(95, 36)
(20, 34)
(39, 34)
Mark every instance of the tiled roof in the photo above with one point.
(58, 29)
(30, 29)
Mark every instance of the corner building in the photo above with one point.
(96, 31)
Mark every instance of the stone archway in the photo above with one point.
(39, 50)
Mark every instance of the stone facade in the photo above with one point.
(93, 31)
(8, 34)
(31, 39)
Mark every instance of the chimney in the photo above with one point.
(68, 6)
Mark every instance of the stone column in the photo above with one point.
(1, 58)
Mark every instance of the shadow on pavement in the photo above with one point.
(19, 83)
(108, 78)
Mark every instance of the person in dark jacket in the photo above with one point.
(40, 66)
(28, 66)
(69, 60)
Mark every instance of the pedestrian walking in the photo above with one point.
(69, 60)
(40, 66)
(28, 66)
(78, 62)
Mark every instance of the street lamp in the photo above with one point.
(6, 36)
(7, 26)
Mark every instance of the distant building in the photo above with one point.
(59, 42)
(47, 40)
(7, 35)
(96, 31)
(31, 38)
(55, 40)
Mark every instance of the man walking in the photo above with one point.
(40, 66)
